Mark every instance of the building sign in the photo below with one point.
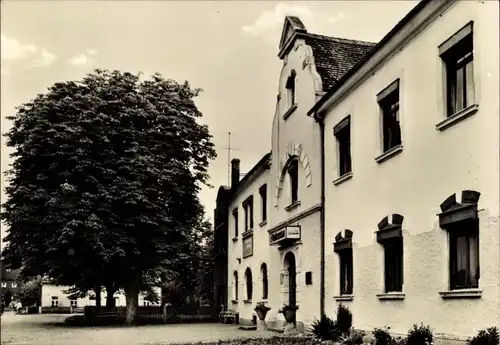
(248, 246)
(291, 232)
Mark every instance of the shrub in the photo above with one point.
(344, 319)
(419, 335)
(325, 329)
(354, 337)
(382, 337)
(485, 337)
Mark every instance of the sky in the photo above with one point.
(227, 48)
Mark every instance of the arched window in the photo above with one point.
(263, 272)
(235, 278)
(290, 86)
(249, 283)
(293, 174)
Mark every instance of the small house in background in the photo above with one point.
(57, 296)
(9, 285)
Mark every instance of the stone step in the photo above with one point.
(248, 328)
(277, 329)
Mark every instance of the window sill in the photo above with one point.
(292, 206)
(247, 301)
(264, 222)
(343, 178)
(234, 301)
(457, 117)
(247, 233)
(344, 298)
(389, 154)
(463, 293)
(289, 112)
(235, 239)
(392, 296)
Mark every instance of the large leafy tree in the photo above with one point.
(105, 180)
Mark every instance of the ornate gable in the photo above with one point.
(291, 25)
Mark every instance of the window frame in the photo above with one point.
(235, 285)
(249, 284)
(389, 103)
(55, 301)
(235, 222)
(346, 264)
(456, 53)
(468, 228)
(393, 265)
(291, 86)
(248, 209)
(263, 202)
(293, 175)
(265, 281)
(342, 133)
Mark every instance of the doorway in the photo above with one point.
(290, 267)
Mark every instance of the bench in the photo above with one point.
(228, 316)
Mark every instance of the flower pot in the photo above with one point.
(262, 312)
(289, 315)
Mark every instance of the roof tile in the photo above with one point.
(334, 57)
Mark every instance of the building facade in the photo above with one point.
(57, 296)
(383, 179)
(9, 284)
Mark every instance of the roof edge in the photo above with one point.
(257, 169)
(395, 30)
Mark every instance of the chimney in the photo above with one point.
(235, 172)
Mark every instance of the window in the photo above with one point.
(14, 285)
(55, 301)
(345, 258)
(4, 284)
(249, 283)
(343, 134)
(293, 173)
(265, 285)
(73, 303)
(393, 262)
(457, 55)
(388, 101)
(461, 221)
(464, 255)
(235, 221)
(248, 208)
(290, 86)
(235, 281)
(263, 199)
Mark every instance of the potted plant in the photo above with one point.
(261, 309)
(289, 312)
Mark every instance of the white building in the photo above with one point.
(386, 197)
(57, 296)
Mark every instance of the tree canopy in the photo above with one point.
(105, 180)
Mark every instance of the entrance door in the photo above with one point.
(292, 281)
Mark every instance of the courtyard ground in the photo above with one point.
(48, 329)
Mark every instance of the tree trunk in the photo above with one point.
(97, 291)
(110, 298)
(132, 298)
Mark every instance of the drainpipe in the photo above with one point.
(322, 214)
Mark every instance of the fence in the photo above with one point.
(58, 310)
(166, 314)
